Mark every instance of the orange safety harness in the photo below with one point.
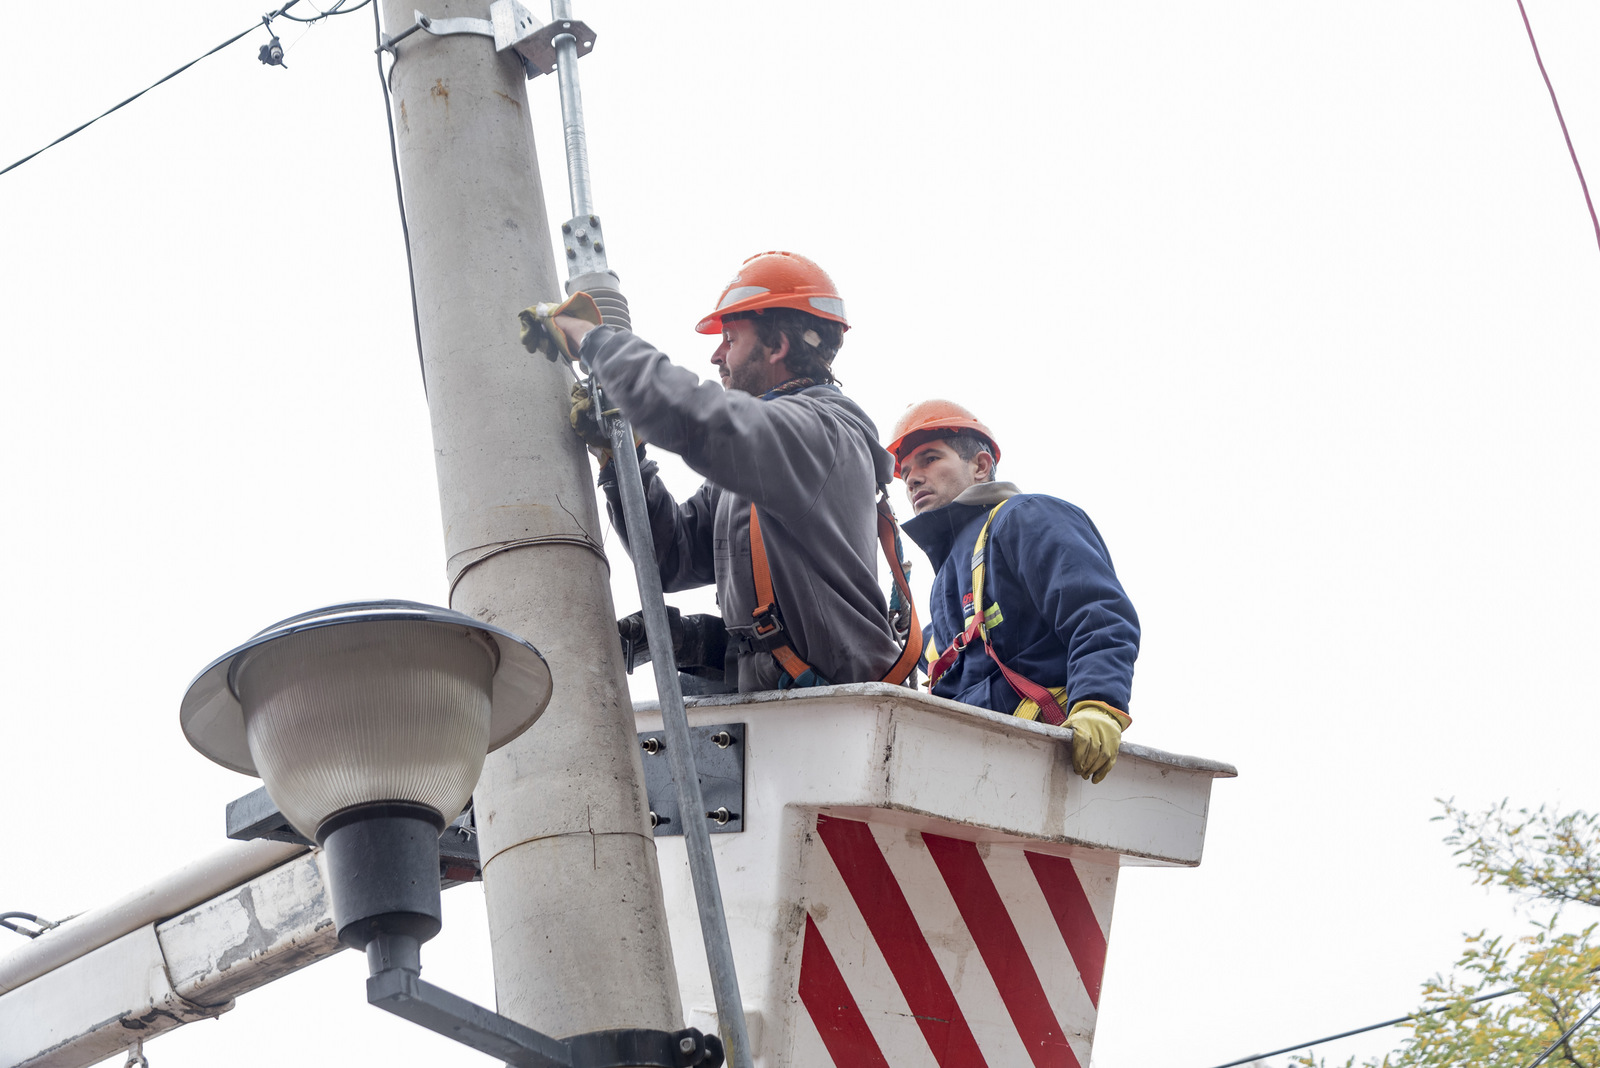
(978, 628)
(767, 625)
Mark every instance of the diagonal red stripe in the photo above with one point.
(1001, 948)
(1074, 916)
(828, 1001)
(883, 905)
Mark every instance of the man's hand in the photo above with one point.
(1096, 735)
(585, 423)
(556, 330)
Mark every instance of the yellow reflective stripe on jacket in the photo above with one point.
(991, 614)
(1029, 709)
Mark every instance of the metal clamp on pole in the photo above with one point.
(511, 26)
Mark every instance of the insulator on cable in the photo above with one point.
(272, 54)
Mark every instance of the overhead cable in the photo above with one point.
(387, 45)
(1561, 119)
(1562, 1040)
(266, 21)
(336, 9)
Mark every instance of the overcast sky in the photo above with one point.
(1299, 302)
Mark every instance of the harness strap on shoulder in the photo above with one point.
(767, 621)
(978, 628)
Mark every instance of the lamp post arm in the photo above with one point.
(400, 991)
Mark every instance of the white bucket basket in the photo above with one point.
(921, 883)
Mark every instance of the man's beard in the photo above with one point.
(748, 378)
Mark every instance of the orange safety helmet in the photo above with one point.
(777, 280)
(920, 422)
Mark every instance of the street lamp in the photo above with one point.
(368, 723)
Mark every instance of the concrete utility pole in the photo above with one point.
(576, 918)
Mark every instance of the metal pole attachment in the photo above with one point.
(566, 47)
(675, 721)
(587, 269)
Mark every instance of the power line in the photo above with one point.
(336, 9)
(387, 45)
(1561, 119)
(1568, 1034)
(266, 20)
(1369, 1027)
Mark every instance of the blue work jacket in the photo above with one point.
(1063, 619)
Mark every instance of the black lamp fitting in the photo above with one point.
(383, 876)
(383, 871)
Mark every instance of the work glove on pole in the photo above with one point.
(585, 422)
(540, 333)
(1096, 734)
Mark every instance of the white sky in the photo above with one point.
(1297, 301)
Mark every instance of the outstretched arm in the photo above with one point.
(778, 455)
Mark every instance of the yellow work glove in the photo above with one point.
(540, 334)
(586, 423)
(1096, 733)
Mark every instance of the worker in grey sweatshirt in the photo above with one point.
(786, 456)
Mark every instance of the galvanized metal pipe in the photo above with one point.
(675, 724)
(572, 113)
(658, 632)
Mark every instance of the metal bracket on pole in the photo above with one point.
(511, 26)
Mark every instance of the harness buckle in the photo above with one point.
(765, 622)
(764, 634)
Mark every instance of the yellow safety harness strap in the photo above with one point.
(1045, 701)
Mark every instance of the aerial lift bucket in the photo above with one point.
(910, 881)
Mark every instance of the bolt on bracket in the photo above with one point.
(719, 755)
(585, 247)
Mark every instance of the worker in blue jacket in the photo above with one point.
(1026, 614)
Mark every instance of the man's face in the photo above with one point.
(935, 474)
(743, 362)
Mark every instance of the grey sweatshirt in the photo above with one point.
(811, 464)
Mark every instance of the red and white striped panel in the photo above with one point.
(924, 950)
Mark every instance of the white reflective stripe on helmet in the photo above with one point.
(733, 296)
(831, 305)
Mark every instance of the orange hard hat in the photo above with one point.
(920, 423)
(777, 280)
